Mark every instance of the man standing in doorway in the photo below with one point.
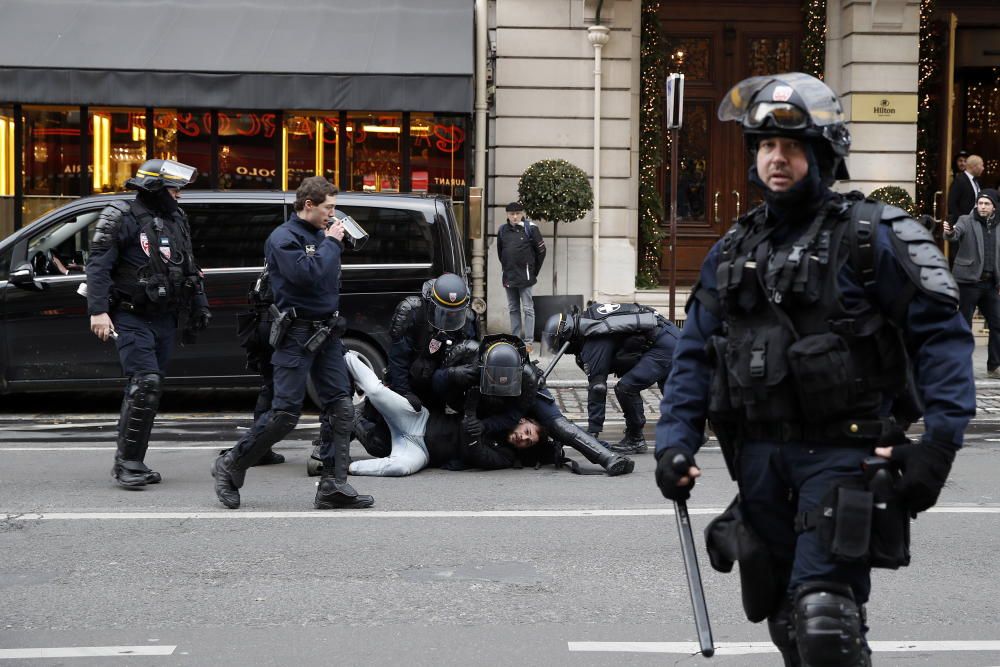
(522, 252)
(965, 189)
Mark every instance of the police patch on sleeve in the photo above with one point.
(310, 250)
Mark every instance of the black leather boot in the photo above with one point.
(142, 398)
(632, 443)
(229, 470)
(334, 492)
(568, 434)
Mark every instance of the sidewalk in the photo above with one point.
(569, 385)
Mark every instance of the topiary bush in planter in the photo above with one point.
(895, 196)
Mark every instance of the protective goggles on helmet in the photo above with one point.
(780, 115)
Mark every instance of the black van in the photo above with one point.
(45, 338)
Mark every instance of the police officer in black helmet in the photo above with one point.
(141, 277)
(423, 329)
(811, 317)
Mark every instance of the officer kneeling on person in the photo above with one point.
(808, 317)
(303, 260)
(141, 276)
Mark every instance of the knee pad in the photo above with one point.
(827, 624)
(626, 392)
(146, 390)
(599, 391)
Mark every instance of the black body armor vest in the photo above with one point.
(170, 279)
(795, 351)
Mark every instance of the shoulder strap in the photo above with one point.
(865, 216)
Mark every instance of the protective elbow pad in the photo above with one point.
(827, 625)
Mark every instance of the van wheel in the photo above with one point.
(368, 353)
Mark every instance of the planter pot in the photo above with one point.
(546, 306)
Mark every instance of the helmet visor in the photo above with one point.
(447, 319)
(177, 175)
(551, 335)
(780, 115)
(821, 104)
(500, 381)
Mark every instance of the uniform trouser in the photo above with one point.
(780, 480)
(293, 366)
(144, 342)
(983, 295)
(262, 353)
(519, 298)
(652, 368)
(406, 426)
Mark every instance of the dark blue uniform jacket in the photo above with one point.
(937, 338)
(304, 268)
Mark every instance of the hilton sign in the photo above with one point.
(888, 108)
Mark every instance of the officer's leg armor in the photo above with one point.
(230, 469)
(827, 624)
(142, 398)
(597, 397)
(635, 419)
(779, 625)
(334, 492)
(566, 433)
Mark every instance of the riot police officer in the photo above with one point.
(802, 330)
(423, 329)
(141, 276)
(303, 260)
(631, 341)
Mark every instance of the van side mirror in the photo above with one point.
(24, 277)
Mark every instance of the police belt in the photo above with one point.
(848, 432)
(301, 323)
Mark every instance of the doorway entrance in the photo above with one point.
(712, 190)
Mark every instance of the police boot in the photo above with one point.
(142, 398)
(334, 492)
(270, 458)
(568, 434)
(632, 443)
(229, 470)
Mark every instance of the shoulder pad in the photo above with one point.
(402, 318)
(109, 221)
(464, 352)
(893, 213)
(922, 260)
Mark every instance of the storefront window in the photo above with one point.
(118, 146)
(248, 150)
(52, 163)
(373, 151)
(437, 157)
(186, 136)
(6, 152)
(310, 148)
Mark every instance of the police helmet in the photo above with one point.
(559, 329)
(794, 105)
(155, 175)
(448, 296)
(502, 368)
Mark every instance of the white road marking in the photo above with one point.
(85, 652)
(747, 648)
(76, 425)
(405, 514)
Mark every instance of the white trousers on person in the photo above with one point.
(406, 426)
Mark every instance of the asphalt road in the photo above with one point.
(532, 567)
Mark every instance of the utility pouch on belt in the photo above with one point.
(730, 538)
(281, 322)
(890, 546)
(317, 339)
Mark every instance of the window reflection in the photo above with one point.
(437, 157)
(248, 150)
(52, 151)
(118, 146)
(373, 151)
(310, 148)
(186, 136)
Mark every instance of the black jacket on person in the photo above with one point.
(522, 252)
(446, 445)
(961, 197)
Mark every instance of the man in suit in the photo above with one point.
(965, 189)
(977, 269)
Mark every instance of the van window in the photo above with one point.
(396, 236)
(231, 234)
(63, 248)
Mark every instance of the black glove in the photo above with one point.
(472, 428)
(667, 477)
(413, 401)
(925, 467)
(200, 319)
(463, 375)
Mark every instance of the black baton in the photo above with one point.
(555, 360)
(681, 466)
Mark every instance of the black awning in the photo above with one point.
(239, 54)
